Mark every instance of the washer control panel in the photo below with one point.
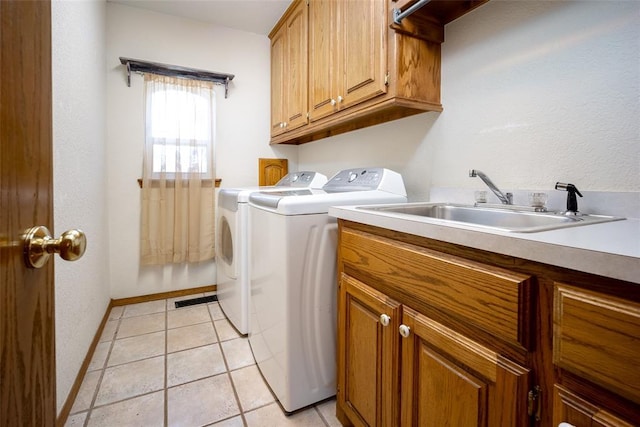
(355, 180)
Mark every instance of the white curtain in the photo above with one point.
(178, 180)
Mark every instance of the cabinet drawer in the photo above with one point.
(490, 298)
(570, 408)
(597, 337)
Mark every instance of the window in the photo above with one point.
(180, 129)
(178, 193)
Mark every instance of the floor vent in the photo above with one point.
(194, 301)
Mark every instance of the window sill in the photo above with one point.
(171, 182)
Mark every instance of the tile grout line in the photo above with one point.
(228, 371)
(103, 370)
(165, 392)
(92, 406)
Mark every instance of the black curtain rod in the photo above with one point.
(136, 65)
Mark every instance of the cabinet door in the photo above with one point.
(362, 35)
(571, 409)
(368, 347)
(450, 380)
(323, 58)
(296, 68)
(278, 48)
(347, 54)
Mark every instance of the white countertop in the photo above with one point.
(609, 249)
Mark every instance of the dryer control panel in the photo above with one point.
(305, 179)
(366, 179)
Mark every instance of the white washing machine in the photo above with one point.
(293, 280)
(232, 260)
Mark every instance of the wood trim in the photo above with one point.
(75, 388)
(162, 295)
(207, 182)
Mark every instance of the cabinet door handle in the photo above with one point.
(333, 101)
(340, 98)
(384, 320)
(404, 331)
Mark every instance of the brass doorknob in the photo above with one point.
(39, 245)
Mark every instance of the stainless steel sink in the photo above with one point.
(504, 219)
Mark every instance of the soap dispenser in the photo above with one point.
(572, 201)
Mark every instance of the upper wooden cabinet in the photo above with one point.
(362, 68)
(347, 64)
(289, 70)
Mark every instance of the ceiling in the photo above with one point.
(255, 16)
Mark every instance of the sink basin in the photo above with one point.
(504, 219)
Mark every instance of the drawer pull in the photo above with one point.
(384, 320)
(404, 331)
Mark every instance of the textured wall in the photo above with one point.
(81, 287)
(533, 92)
(242, 128)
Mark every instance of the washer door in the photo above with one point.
(225, 248)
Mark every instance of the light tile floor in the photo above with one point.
(157, 365)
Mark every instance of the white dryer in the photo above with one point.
(232, 259)
(293, 280)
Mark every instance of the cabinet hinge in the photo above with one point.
(533, 403)
(386, 79)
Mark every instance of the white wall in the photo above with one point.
(533, 92)
(79, 99)
(242, 128)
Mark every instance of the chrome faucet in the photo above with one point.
(506, 199)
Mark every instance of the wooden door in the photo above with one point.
(368, 348)
(363, 66)
(323, 58)
(278, 49)
(296, 74)
(27, 352)
(450, 380)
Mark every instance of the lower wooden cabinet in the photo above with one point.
(596, 339)
(576, 411)
(435, 334)
(369, 347)
(442, 377)
(448, 379)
